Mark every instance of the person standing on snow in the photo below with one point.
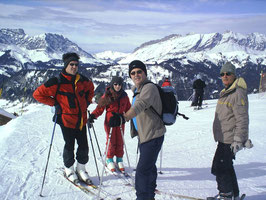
(145, 124)
(230, 130)
(71, 94)
(115, 99)
(198, 87)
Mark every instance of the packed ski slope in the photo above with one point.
(187, 156)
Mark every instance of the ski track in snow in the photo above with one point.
(187, 156)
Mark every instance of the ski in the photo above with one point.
(214, 198)
(124, 173)
(176, 195)
(81, 187)
(124, 176)
(89, 189)
(89, 183)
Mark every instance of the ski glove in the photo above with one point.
(116, 120)
(91, 118)
(236, 146)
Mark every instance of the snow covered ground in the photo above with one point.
(187, 156)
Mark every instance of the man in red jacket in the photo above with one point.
(71, 95)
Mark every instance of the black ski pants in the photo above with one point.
(198, 98)
(146, 172)
(70, 135)
(223, 169)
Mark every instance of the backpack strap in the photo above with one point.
(58, 87)
(151, 107)
(184, 116)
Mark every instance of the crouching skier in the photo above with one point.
(71, 93)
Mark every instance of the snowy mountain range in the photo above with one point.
(26, 62)
(42, 47)
(111, 55)
(214, 47)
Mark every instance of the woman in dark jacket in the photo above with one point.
(115, 99)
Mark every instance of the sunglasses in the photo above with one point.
(115, 84)
(74, 64)
(138, 72)
(226, 73)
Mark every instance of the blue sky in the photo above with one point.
(123, 25)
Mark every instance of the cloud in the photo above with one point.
(116, 25)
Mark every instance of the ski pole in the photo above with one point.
(105, 157)
(91, 125)
(93, 152)
(137, 156)
(48, 155)
(161, 160)
(122, 135)
(96, 140)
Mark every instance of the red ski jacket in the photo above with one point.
(74, 95)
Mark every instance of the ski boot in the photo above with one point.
(120, 164)
(110, 164)
(71, 175)
(222, 196)
(199, 107)
(83, 174)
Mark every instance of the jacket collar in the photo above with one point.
(239, 82)
(69, 77)
(141, 86)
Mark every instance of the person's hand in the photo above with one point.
(91, 118)
(236, 146)
(56, 109)
(248, 144)
(116, 120)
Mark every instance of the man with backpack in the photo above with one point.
(145, 124)
(71, 93)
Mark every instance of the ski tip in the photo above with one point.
(41, 195)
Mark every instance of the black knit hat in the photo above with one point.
(137, 64)
(68, 57)
(116, 79)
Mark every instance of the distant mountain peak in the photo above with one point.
(43, 47)
(199, 47)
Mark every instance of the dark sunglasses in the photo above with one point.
(74, 64)
(226, 73)
(138, 72)
(115, 84)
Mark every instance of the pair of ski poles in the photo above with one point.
(52, 138)
(106, 150)
(89, 126)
